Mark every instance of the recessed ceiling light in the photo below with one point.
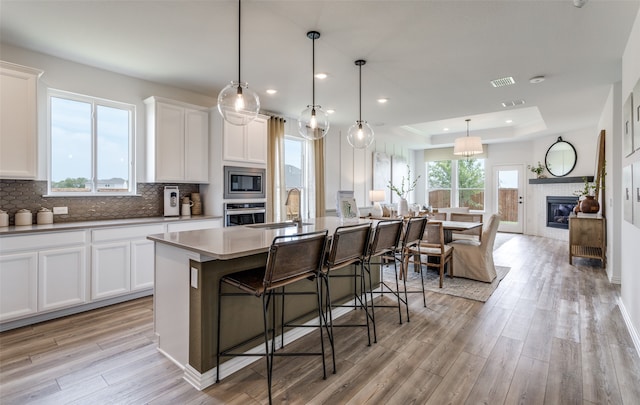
(272, 91)
(509, 121)
(536, 79)
(445, 129)
(330, 111)
(505, 81)
(321, 76)
(382, 100)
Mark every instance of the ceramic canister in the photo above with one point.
(44, 216)
(4, 218)
(24, 217)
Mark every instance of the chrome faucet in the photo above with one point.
(293, 199)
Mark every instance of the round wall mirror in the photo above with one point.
(561, 158)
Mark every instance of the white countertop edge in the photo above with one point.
(66, 226)
(206, 255)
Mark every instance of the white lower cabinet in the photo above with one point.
(142, 264)
(61, 278)
(18, 285)
(46, 274)
(110, 269)
(122, 260)
(42, 272)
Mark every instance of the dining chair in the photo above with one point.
(383, 247)
(442, 216)
(433, 246)
(473, 234)
(291, 258)
(474, 259)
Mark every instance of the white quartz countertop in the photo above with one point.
(66, 226)
(239, 241)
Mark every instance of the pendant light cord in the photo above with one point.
(313, 71)
(468, 119)
(239, 33)
(360, 91)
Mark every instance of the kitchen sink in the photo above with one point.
(276, 225)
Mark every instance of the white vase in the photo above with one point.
(403, 207)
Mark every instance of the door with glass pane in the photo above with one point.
(509, 197)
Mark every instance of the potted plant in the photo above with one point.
(538, 170)
(406, 186)
(587, 202)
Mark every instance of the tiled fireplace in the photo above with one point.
(537, 210)
(558, 210)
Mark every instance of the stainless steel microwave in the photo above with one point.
(244, 182)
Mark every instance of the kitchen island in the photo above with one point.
(188, 267)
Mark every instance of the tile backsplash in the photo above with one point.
(29, 194)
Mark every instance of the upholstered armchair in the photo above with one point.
(474, 259)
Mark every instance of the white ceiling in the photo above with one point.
(433, 60)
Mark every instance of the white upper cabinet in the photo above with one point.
(246, 143)
(177, 142)
(18, 121)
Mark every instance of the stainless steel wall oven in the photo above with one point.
(244, 213)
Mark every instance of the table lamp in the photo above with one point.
(376, 196)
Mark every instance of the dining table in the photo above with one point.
(449, 227)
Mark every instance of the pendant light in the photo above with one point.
(238, 104)
(313, 122)
(360, 135)
(469, 145)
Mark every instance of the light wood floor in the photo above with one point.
(550, 334)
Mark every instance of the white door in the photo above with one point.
(509, 197)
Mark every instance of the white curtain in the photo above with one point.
(275, 170)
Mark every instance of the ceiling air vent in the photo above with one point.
(512, 103)
(505, 81)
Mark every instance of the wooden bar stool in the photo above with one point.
(384, 245)
(291, 258)
(409, 246)
(349, 246)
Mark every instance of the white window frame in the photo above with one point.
(304, 192)
(94, 101)
(454, 198)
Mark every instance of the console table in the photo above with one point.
(587, 238)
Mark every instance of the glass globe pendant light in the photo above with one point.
(360, 134)
(238, 104)
(313, 122)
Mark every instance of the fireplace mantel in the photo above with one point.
(553, 180)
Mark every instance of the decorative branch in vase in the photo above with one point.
(587, 198)
(402, 192)
(538, 170)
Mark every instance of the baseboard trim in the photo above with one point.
(59, 313)
(203, 380)
(632, 330)
(615, 280)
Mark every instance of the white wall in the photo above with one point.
(629, 234)
(352, 169)
(82, 79)
(613, 181)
